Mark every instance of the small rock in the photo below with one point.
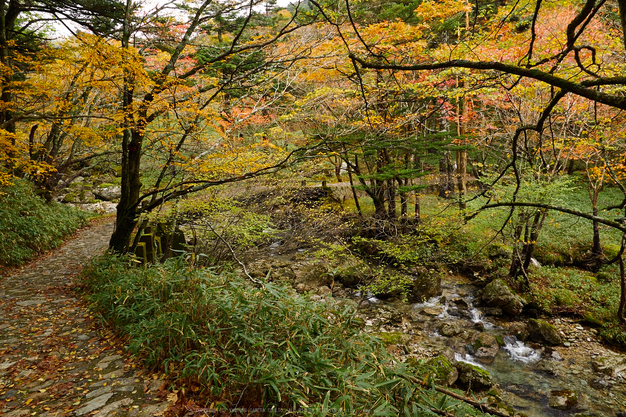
(611, 365)
(484, 347)
(432, 311)
(600, 383)
(449, 329)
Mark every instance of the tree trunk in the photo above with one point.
(596, 247)
(622, 16)
(622, 284)
(446, 187)
(8, 13)
(521, 259)
(461, 162)
(127, 208)
(354, 194)
(379, 189)
(391, 201)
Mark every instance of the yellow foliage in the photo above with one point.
(434, 11)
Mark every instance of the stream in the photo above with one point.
(581, 377)
(536, 380)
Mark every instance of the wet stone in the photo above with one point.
(563, 399)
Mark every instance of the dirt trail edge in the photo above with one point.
(54, 358)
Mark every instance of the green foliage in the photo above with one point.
(242, 345)
(29, 225)
(388, 283)
(571, 288)
(216, 224)
(614, 334)
(344, 266)
(432, 241)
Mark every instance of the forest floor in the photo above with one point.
(55, 358)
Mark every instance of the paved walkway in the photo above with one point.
(55, 360)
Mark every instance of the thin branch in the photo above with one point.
(579, 88)
(232, 252)
(611, 223)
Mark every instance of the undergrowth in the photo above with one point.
(236, 346)
(29, 225)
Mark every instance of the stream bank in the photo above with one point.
(571, 373)
(553, 366)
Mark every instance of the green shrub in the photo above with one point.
(614, 334)
(217, 226)
(29, 225)
(241, 345)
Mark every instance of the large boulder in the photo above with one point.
(444, 373)
(108, 193)
(498, 294)
(540, 331)
(472, 377)
(484, 347)
(426, 284)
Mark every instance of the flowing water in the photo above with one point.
(531, 377)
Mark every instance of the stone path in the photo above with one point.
(54, 358)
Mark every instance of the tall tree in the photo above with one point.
(149, 94)
(22, 37)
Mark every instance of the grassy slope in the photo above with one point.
(28, 225)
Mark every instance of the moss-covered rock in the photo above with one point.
(426, 284)
(540, 331)
(604, 277)
(472, 377)
(393, 338)
(350, 276)
(498, 294)
(484, 347)
(443, 372)
(71, 198)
